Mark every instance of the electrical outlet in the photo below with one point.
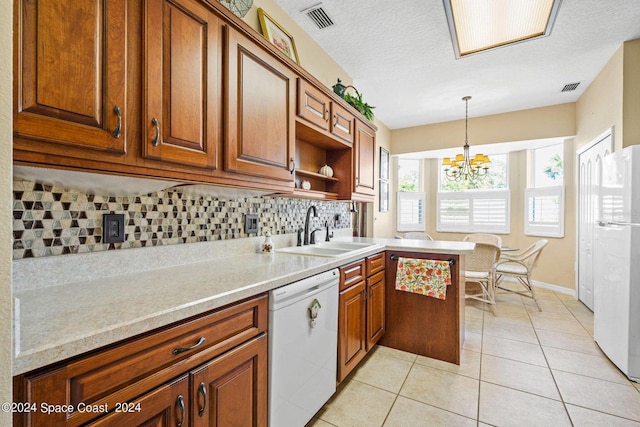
(251, 224)
(113, 228)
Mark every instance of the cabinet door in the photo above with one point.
(364, 160)
(70, 72)
(166, 406)
(351, 329)
(342, 123)
(231, 390)
(182, 83)
(313, 105)
(375, 308)
(260, 120)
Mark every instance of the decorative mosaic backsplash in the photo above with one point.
(50, 220)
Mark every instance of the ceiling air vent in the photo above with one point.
(570, 87)
(319, 17)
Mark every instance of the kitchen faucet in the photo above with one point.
(306, 223)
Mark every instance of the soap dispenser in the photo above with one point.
(267, 245)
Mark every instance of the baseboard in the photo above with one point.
(549, 286)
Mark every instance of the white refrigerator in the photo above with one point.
(617, 262)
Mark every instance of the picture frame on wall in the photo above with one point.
(384, 196)
(278, 36)
(384, 164)
(383, 205)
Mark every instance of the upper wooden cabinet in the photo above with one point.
(178, 90)
(364, 156)
(316, 108)
(70, 72)
(182, 116)
(260, 121)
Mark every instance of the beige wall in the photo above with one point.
(6, 222)
(600, 107)
(631, 93)
(537, 123)
(384, 223)
(312, 57)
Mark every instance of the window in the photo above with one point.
(544, 199)
(411, 200)
(481, 211)
(411, 213)
(476, 206)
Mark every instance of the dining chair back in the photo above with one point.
(483, 238)
(420, 235)
(519, 266)
(479, 273)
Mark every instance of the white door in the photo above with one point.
(589, 180)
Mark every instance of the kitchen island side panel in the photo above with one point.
(424, 325)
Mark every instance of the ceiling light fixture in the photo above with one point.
(478, 26)
(462, 167)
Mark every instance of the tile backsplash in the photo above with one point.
(49, 220)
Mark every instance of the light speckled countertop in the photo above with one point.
(67, 318)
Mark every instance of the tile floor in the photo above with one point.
(520, 367)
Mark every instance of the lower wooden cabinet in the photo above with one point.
(206, 371)
(361, 315)
(352, 338)
(231, 390)
(375, 308)
(166, 406)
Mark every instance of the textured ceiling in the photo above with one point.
(400, 56)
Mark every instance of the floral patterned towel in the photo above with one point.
(423, 276)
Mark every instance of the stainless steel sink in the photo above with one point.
(326, 249)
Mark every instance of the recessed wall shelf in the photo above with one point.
(310, 174)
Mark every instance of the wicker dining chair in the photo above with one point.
(480, 274)
(519, 266)
(483, 238)
(419, 235)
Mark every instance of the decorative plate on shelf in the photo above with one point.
(238, 7)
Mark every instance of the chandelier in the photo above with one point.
(462, 167)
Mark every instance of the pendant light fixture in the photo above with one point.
(462, 167)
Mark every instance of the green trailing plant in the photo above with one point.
(360, 105)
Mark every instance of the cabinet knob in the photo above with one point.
(118, 130)
(156, 139)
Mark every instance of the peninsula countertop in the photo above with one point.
(61, 320)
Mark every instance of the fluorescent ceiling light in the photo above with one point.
(476, 25)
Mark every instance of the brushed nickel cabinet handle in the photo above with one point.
(202, 391)
(180, 405)
(292, 165)
(179, 350)
(156, 139)
(117, 132)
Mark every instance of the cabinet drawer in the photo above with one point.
(127, 370)
(375, 263)
(313, 105)
(351, 274)
(342, 123)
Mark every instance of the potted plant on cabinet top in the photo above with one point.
(356, 101)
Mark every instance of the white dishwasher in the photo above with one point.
(303, 339)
